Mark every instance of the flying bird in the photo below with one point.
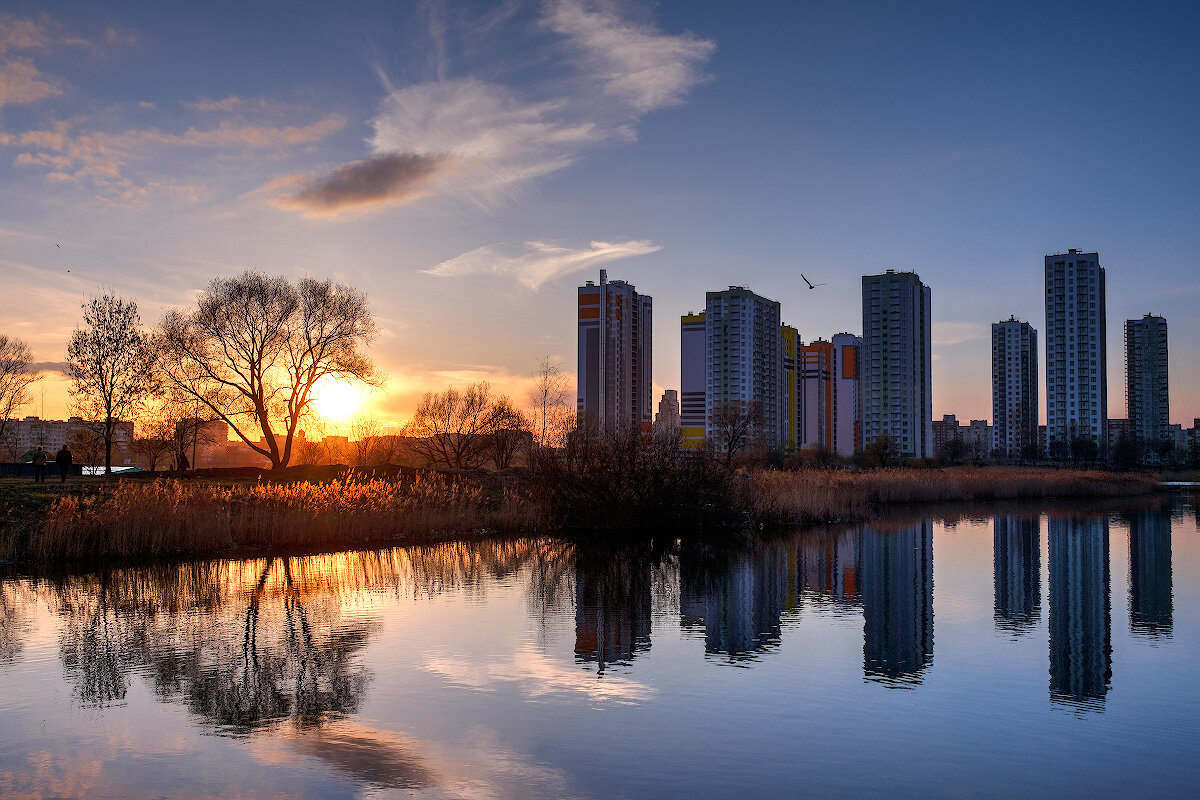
(811, 285)
(56, 244)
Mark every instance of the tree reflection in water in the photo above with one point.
(250, 643)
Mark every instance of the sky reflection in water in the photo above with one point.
(1063, 665)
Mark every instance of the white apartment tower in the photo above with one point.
(614, 383)
(744, 359)
(1076, 355)
(1014, 387)
(896, 385)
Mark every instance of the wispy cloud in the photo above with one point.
(69, 152)
(949, 333)
(534, 263)
(22, 82)
(636, 63)
(500, 137)
(235, 104)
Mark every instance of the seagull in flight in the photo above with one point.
(811, 285)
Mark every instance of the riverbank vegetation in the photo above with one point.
(617, 490)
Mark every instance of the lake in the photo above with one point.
(1024, 650)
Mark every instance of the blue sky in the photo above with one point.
(468, 164)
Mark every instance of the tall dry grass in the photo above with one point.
(815, 496)
(169, 517)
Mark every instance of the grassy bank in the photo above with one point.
(809, 497)
(166, 517)
(148, 518)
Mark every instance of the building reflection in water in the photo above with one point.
(897, 598)
(737, 601)
(1017, 572)
(612, 609)
(829, 569)
(1150, 603)
(1080, 638)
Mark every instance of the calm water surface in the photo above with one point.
(1038, 653)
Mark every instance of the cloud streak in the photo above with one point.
(500, 137)
(536, 263)
(636, 63)
(374, 182)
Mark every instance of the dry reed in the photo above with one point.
(166, 517)
(814, 496)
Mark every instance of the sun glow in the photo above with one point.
(337, 400)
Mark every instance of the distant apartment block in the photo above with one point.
(29, 433)
(667, 418)
(793, 405)
(744, 359)
(816, 395)
(614, 381)
(1014, 387)
(945, 430)
(1146, 386)
(1076, 353)
(692, 376)
(977, 436)
(896, 362)
(847, 424)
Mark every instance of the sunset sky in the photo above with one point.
(468, 164)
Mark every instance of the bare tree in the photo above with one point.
(453, 428)
(736, 427)
(16, 377)
(255, 345)
(549, 403)
(370, 444)
(881, 451)
(154, 439)
(86, 445)
(510, 433)
(111, 362)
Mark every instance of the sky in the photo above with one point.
(467, 165)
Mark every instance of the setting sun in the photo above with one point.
(337, 400)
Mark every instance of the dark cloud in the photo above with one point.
(49, 366)
(386, 179)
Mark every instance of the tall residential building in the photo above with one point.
(847, 424)
(744, 354)
(896, 386)
(793, 412)
(667, 418)
(816, 395)
(1014, 387)
(1146, 378)
(692, 376)
(614, 385)
(1076, 355)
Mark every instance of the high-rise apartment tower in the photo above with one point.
(1076, 353)
(896, 385)
(744, 355)
(1146, 388)
(1014, 387)
(614, 385)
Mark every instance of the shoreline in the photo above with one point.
(168, 518)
